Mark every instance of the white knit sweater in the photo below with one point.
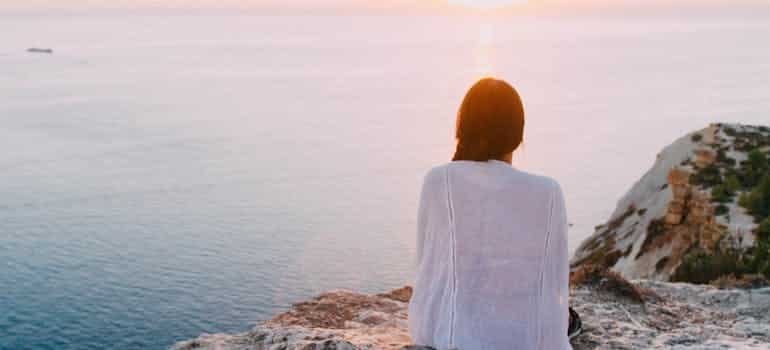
(492, 267)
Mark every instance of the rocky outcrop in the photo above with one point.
(340, 320)
(671, 212)
(662, 316)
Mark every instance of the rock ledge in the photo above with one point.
(680, 316)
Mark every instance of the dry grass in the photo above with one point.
(744, 282)
(602, 279)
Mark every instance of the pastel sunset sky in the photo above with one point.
(423, 5)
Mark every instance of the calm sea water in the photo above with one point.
(167, 175)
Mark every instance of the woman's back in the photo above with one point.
(492, 260)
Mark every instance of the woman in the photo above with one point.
(492, 268)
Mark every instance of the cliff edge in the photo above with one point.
(616, 315)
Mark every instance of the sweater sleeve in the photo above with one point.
(421, 222)
(554, 303)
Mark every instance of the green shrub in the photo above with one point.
(757, 159)
(760, 255)
(696, 137)
(744, 200)
(702, 268)
(720, 194)
(727, 161)
(763, 232)
(754, 168)
(732, 184)
(721, 210)
(723, 159)
(707, 177)
(758, 200)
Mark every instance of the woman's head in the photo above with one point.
(490, 122)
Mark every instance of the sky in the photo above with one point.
(374, 5)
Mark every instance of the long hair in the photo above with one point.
(490, 122)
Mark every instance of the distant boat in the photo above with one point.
(39, 50)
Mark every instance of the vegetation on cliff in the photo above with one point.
(726, 178)
(701, 213)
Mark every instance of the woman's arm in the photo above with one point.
(427, 198)
(422, 221)
(555, 280)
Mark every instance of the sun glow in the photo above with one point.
(486, 4)
(485, 50)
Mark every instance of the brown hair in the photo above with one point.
(490, 122)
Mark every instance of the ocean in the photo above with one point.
(164, 175)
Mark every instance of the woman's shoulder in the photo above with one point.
(437, 174)
(540, 180)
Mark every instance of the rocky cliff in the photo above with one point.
(691, 217)
(616, 315)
